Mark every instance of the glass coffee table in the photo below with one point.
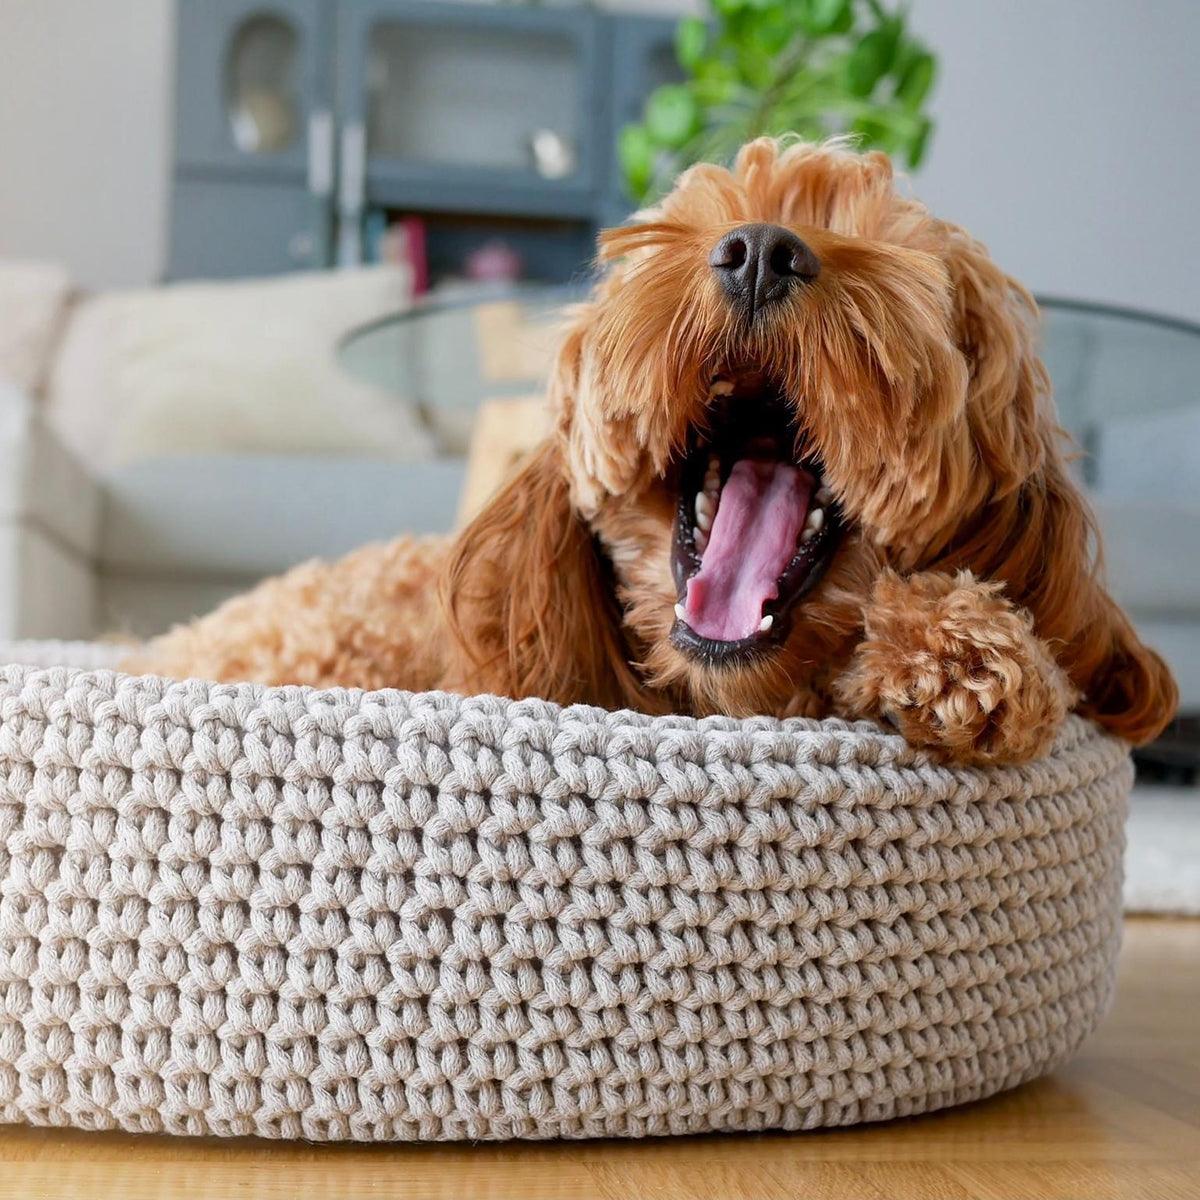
(1119, 370)
(451, 354)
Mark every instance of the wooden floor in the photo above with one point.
(1122, 1121)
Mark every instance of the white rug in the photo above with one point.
(1162, 862)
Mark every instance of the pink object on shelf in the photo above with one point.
(494, 262)
(404, 245)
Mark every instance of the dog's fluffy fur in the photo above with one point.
(964, 603)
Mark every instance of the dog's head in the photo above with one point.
(789, 376)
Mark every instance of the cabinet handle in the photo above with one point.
(320, 153)
(352, 186)
(354, 162)
(351, 191)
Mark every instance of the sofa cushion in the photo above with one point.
(1148, 456)
(251, 515)
(1152, 555)
(220, 367)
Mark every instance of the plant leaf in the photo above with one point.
(818, 17)
(870, 61)
(918, 143)
(715, 83)
(916, 81)
(691, 40)
(755, 64)
(672, 115)
(874, 130)
(635, 151)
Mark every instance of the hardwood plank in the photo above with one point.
(269, 1179)
(1080, 1180)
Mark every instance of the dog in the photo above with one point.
(803, 463)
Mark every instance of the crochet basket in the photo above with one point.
(386, 916)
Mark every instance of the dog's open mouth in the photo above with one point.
(755, 527)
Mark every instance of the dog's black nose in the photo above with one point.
(759, 264)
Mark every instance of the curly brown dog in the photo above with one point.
(804, 463)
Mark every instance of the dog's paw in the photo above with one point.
(957, 669)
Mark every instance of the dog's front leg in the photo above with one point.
(956, 668)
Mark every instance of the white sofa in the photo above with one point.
(49, 528)
(164, 448)
(167, 538)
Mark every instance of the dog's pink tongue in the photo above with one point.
(761, 513)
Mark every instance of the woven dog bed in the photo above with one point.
(331, 914)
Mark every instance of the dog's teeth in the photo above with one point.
(704, 510)
(714, 465)
(681, 612)
(815, 520)
(721, 387)
(766, 623)
(701, 539)
(824, 495)
(808, 535)
(712, 481)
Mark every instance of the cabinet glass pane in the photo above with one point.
(474, 97)
(260, 86)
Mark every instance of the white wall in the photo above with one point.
(1067, 138)
(85, 128)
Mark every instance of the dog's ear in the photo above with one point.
(995, 323)
(528, 601)
(1035, 529)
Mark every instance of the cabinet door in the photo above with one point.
(253, 92)
(467, 107)
(222, 229)
(643, 57)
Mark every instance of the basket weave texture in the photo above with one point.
(382, 916)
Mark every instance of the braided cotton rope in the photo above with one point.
(240, 910)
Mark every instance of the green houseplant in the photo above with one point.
(809, 67)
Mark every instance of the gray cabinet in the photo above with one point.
(225, 228)
(643, 57)
(252, 80)
(254, 150)
(296, 119)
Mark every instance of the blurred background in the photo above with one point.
(277, 276)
